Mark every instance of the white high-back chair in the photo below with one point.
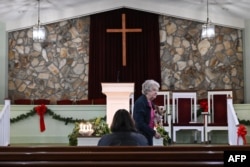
(216, 116)
(185, 114)
(163, 99)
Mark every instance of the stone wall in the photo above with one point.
(55, 69)
(190, 63)
(58, 68)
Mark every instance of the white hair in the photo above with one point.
(148, 85)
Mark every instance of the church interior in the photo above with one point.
(67, 65)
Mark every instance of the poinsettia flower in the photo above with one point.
(204, 105)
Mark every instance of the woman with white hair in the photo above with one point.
(143, 113)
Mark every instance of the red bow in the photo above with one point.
(204, 105)
(242, 133)
(41, 110)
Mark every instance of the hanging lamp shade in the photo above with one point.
(39, 32)
(208, 29)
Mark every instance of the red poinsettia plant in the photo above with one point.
(204, 105)
(41, 110)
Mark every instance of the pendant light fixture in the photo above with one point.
(208, 29)
(39, 32)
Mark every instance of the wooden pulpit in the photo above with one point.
(118, 96)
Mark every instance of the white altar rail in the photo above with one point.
(233, 123)
(5, 124)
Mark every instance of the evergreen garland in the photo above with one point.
(244, 122)
(23, 116)
(55, 116)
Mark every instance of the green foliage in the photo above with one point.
(244, 122)
(164, 135)
(51, 113)
(73, 136)
(199, 111)
(23, 116)
(100, 128)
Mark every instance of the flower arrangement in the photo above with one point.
(164, 135)
(203, 107)
(100, 128)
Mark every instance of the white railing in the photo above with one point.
(233, 123)
(5, 124)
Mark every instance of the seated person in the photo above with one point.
(123, 132)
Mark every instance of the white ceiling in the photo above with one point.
(18, 14)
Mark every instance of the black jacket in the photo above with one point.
(123, 139)
(141, 115)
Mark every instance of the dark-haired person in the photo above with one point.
(123, 132)
(144, 112)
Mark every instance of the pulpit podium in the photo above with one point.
(118, 97)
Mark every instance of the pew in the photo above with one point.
(174, 156)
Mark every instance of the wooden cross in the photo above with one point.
(124, 30)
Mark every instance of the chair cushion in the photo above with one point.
(23, 101)
(184, 113)
(64, 102)
(188, 124)
(99, 101)
(220, 109)
(217, 124)
(41, 101)
(86, 101)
